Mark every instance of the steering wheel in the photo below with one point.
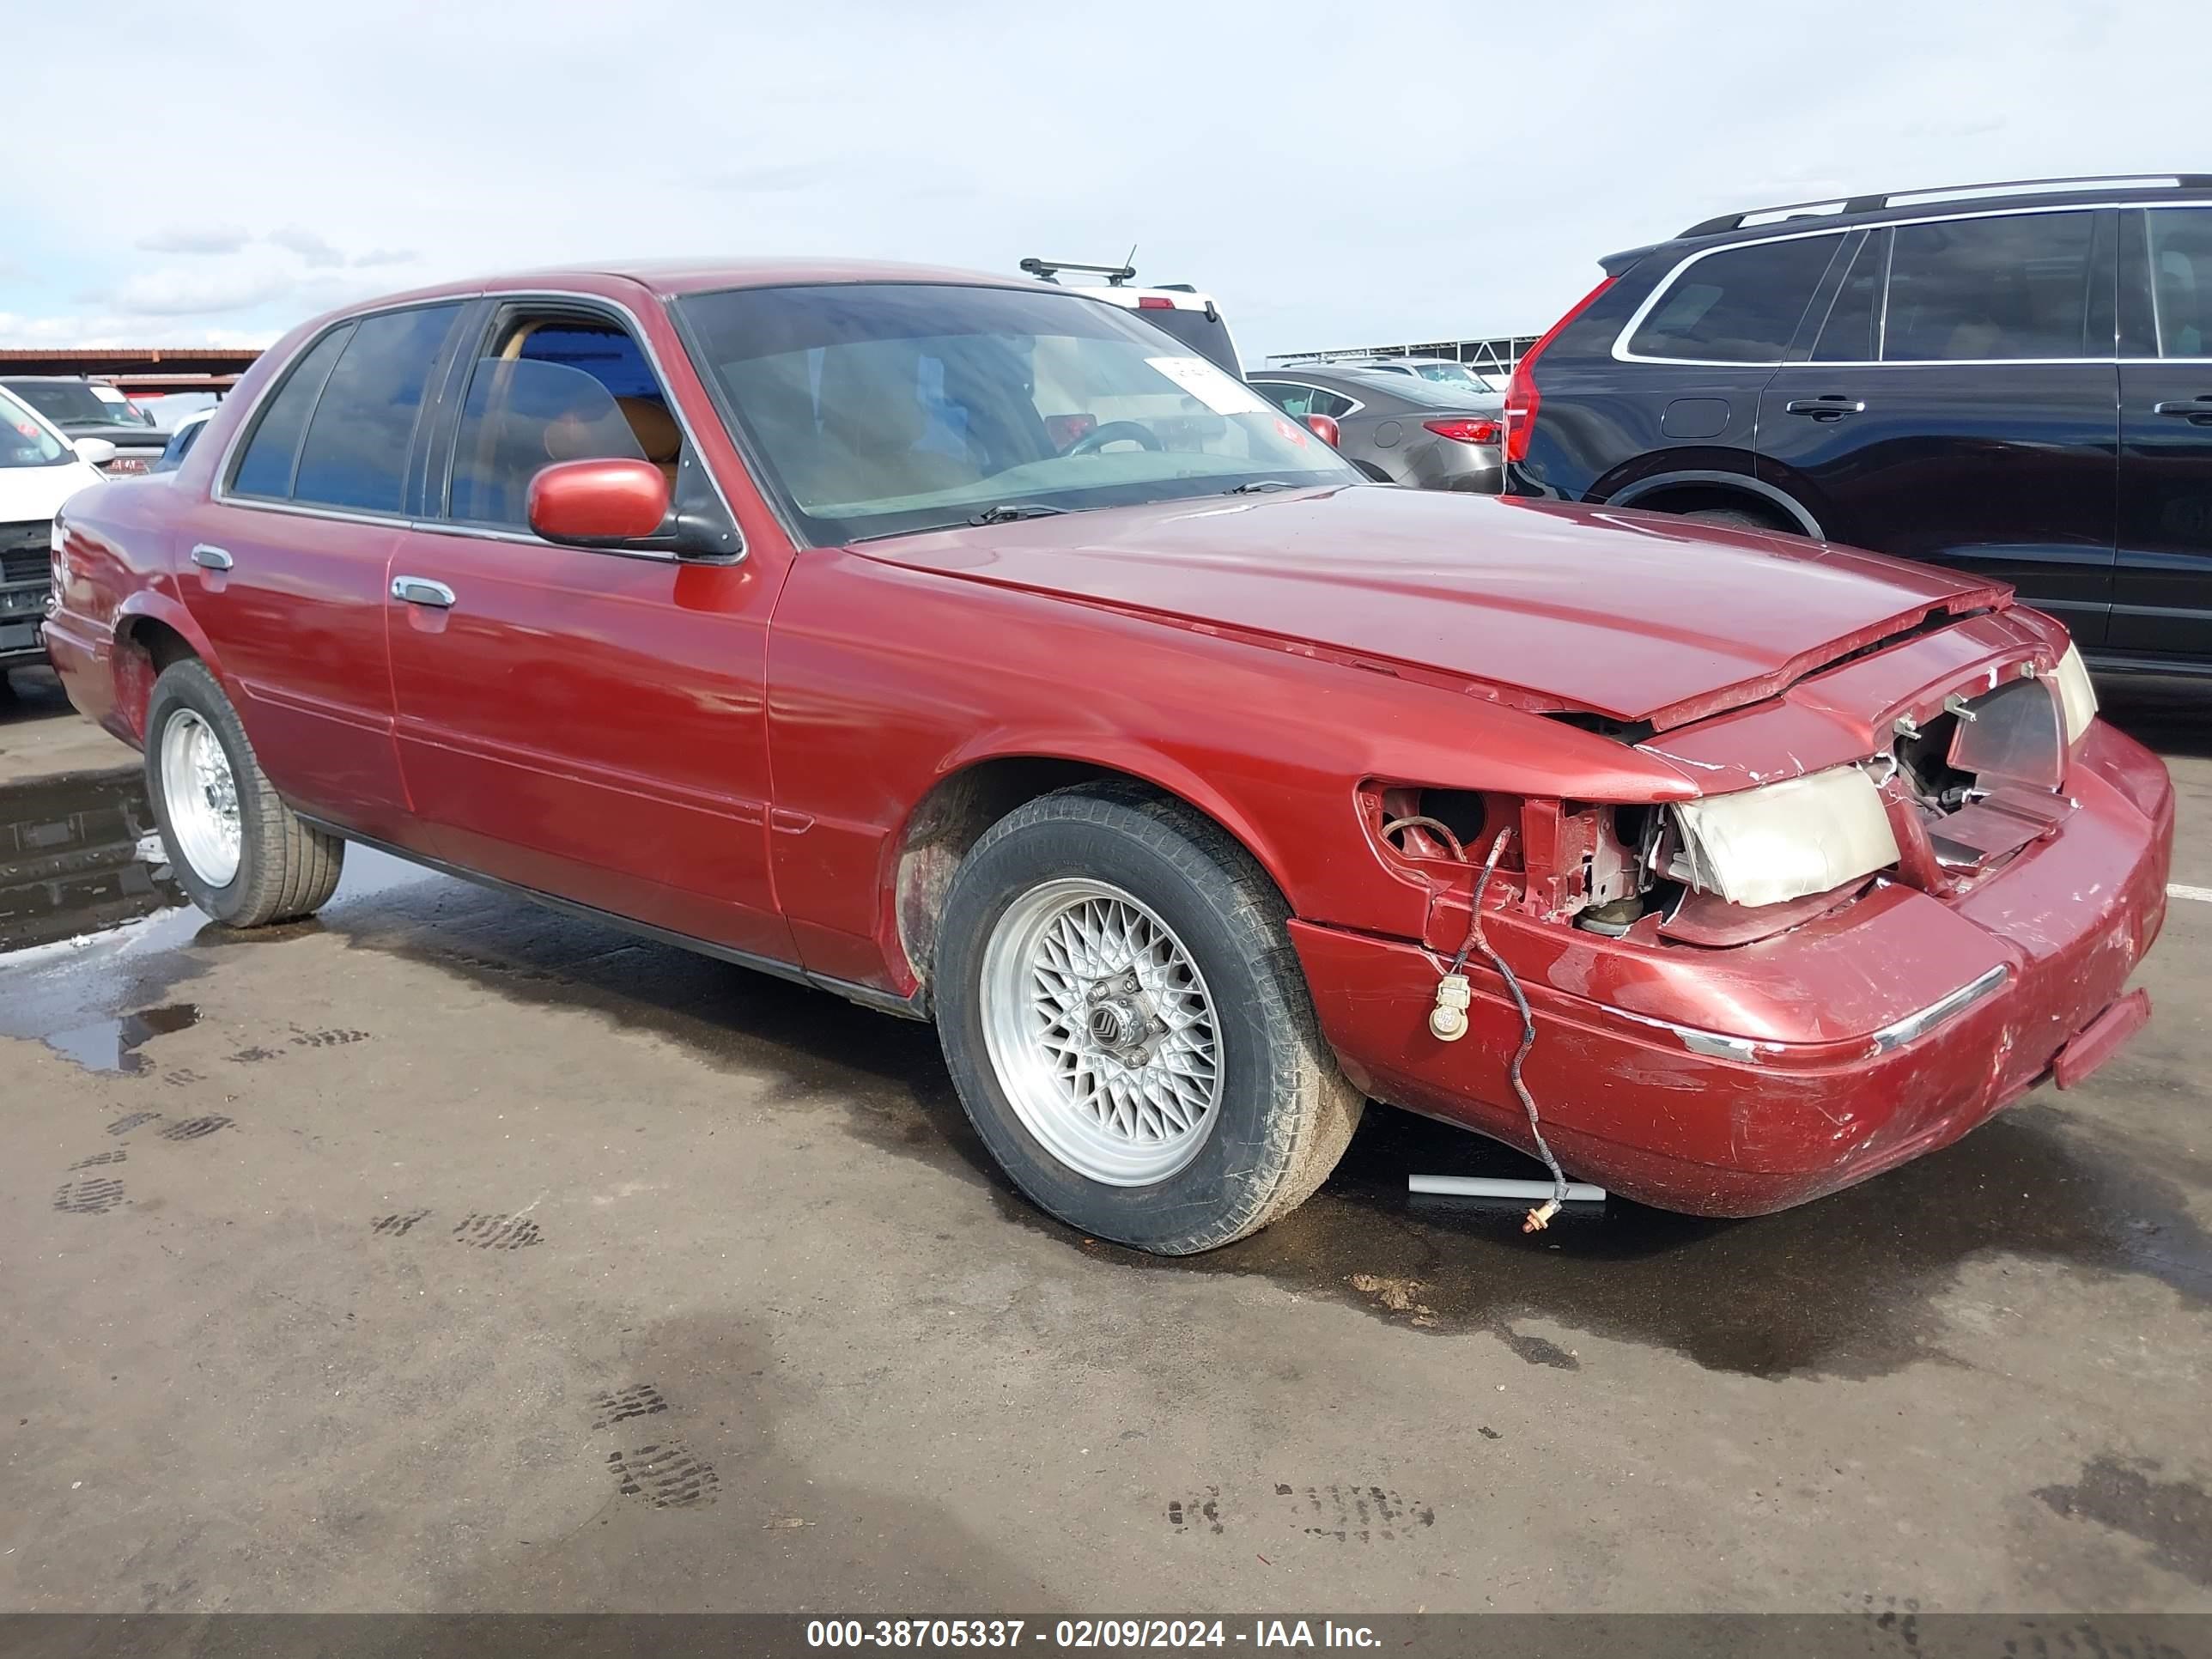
(1113, 432)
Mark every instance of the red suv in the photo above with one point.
(973, 651)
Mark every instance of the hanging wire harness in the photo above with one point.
(1448, 1019)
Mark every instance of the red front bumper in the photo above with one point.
(1690, 1114)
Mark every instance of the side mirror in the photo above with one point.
(591, 503)
(1324, 427)
(94, 452)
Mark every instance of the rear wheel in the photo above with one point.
(243, 856)
(1128, 1026)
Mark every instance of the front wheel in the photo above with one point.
(1128, 1026)
(243, 856)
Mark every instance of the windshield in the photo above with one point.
(120, 408)
(24, 441)
(879, 408)
(65, 400)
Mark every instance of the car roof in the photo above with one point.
(668, 279)
(1378, 383)
(1850, 211)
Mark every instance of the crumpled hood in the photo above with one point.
(1631, 616)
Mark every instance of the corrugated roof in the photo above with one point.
(108, 360)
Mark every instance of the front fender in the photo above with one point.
(1108, 750)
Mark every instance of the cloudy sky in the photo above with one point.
(1336, 173)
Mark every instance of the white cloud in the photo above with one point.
(1474, 196)
(207, 238)
(179, 292)
(307, 245)
(384, 256)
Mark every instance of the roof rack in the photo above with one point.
(2176, 181)
(1048, 270)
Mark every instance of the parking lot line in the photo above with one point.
(2180, 890)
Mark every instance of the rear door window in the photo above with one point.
(1742, 304)
(1287, 396)
(2181, 280)
(363, 428)
(2013, 286)
(1852, 332)
(265, 469)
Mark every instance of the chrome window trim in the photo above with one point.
(1620, 352)
(523, 538)
(219, 492)
(1271, 379)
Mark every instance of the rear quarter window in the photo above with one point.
(363, 427)
(265, 468)
(1740, 305)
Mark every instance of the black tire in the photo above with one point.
(1286, 1112)
(1735, 518)
(286, 869)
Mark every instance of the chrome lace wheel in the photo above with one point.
(1101, 1031)
(201, 796)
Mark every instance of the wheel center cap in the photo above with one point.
(1111, 1024)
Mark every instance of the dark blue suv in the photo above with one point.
(2014, 379)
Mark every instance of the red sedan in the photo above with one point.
(970, 649)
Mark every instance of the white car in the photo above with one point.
(39, 469)
(1190, 316)
(182, 437)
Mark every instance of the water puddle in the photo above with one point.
(112, 1043)
(76, 855)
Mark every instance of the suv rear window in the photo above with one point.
(1206, 336)
(2012, 286)
(1740, 305)
(2181, 278)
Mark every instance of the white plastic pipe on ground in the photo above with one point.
(1578, 1191)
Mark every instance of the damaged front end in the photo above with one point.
(1906, 886)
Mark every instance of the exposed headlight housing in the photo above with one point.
(2077, 698)
(1784, 841)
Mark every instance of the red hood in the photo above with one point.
(1634, 615)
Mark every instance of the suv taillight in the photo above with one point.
(1521, 394)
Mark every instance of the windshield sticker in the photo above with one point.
(1217, 390)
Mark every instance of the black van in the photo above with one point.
(2014, 379)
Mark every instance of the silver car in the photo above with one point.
(1397, 428)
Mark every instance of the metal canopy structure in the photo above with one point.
(1494, 354)
(151, 369)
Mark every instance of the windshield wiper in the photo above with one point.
(1257, 485)
(1007, 512)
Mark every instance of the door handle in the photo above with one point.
(1824, 409)
(210, 558)
(420, 590)
(2193, 409)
